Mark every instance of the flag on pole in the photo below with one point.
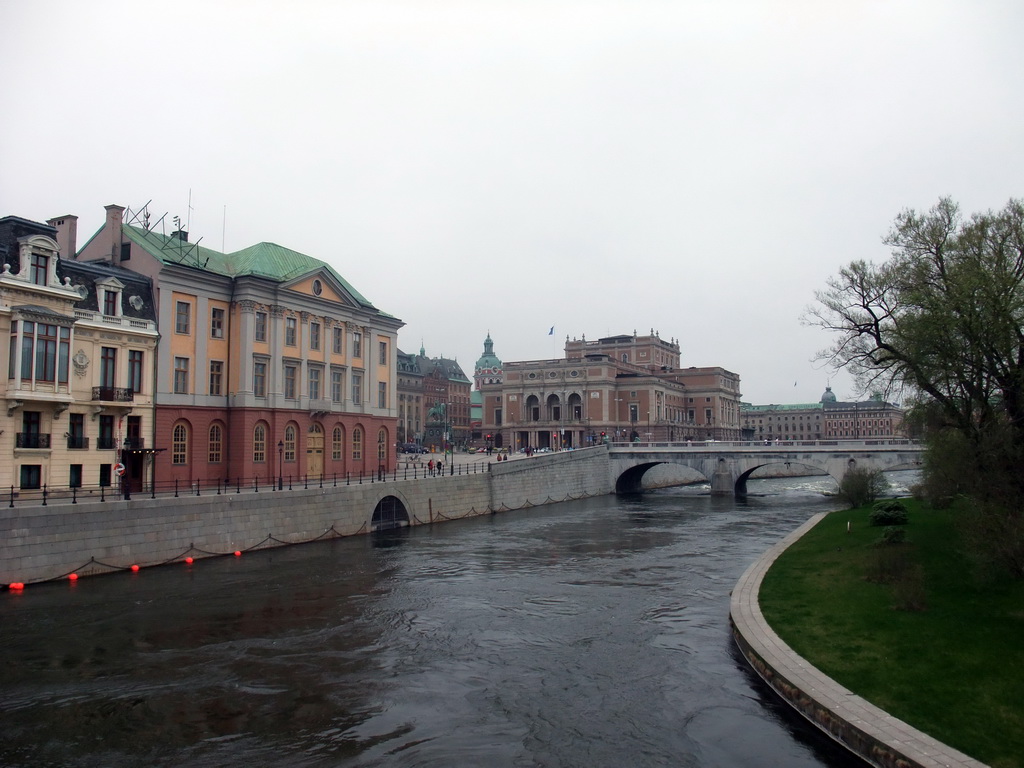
(552, 331)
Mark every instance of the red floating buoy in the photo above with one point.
(72, 577)
(188, 560)
(16, 586)
(238, 553)
(135, 569)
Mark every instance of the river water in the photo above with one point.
(591, 633)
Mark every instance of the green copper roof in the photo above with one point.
(268, 260)
(747, 407)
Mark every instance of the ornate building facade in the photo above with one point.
(270, 364)
(617, 388)
(80, 347)
(828, 419)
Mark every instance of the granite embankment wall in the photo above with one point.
(40, 543)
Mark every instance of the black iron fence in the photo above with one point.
(31, 440)
(113, 394)
(52, 494)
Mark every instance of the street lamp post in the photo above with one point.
(280, 465)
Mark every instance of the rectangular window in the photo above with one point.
(339, 341)
(261, 326)
(135, 370)
(707, 415)
(216, 376)
(289, 331)
(217, 323)
(105, 475)
(259, 379)
(314, 335)
(383, 353)
(314, 383)
(382, 394)
(110, 303)
(337, 386)
(357, 344)
(182, 317)
(76, 431)
(31, 476)
(291, 373)
(181, 375)
(40, 267)
(105, 441)
(357, 388)
(75, 476)
(108, 367)
(46, 352)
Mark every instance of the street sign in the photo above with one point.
(119, 469)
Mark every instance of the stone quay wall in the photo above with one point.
(41, 543)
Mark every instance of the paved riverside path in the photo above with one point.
(875, 735)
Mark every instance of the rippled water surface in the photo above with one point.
(590, 633)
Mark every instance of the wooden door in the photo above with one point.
(315, 451)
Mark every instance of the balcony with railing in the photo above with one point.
(134, 443)
(31, 440)
(113, 394)
(106, 443)
(77, 442)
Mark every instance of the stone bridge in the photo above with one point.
(727, 465)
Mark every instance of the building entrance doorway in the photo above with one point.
(315, 450)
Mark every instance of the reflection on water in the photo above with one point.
(587, 633)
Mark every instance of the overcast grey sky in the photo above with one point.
(699, 168)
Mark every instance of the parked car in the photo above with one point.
(412, 448)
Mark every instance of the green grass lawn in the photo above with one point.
(952, 665)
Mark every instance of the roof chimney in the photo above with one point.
(115, 217)
(181, 234)
(67, 234)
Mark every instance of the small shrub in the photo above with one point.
(893, 535)
(889, 565)
(888, 512)
(860, 487)
(890, 504)
(908, 592)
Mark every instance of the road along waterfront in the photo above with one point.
(588, 633)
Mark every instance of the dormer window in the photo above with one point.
(109, 302)
(108, 295)
(40, 268)
(38, 261)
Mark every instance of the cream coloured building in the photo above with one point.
(78, 395)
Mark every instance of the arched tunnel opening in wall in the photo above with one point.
(390, 513)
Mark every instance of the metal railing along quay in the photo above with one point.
(50, 495)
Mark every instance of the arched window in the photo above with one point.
(337, 443)
(179, 444)
(259, 444)
(216, 441)
(357, 444)
(382, 445)
(289, 443)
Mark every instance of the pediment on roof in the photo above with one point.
(321, 284)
